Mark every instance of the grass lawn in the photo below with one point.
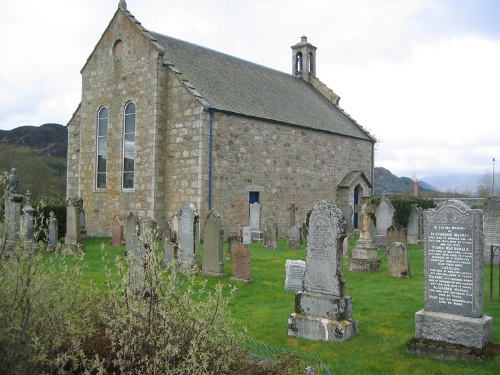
(384, 307)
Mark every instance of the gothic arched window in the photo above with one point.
(128, 146)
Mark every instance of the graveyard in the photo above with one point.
(384, 306)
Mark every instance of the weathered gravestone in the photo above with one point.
(322, 310)
(28, 227)
(293, 211)
(452, 317)
(169, 244)
(271, 234)
(294, 271)
(131, 228)
(52, 242)
(72, 241)
(213, 240)
(364, 255)
(136, 264)
(254, 222)
(12, 216)
(294, 237)
(241, 263)
(247, 235)
(117, 231)
(148, 230)
(384, 216)
(491, 227)
(415, 224)
(231, 242)
(83, 230)
(398, 260)
(189, 239)
(395, 233)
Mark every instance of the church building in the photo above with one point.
(163, 122)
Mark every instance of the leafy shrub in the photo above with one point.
(402, 204)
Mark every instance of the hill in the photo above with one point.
(385, 181)
(39, 155)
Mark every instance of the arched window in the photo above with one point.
(128, 146)
(102, 147)
(298, 62)
(311, 65)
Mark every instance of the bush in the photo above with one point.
(402, 204)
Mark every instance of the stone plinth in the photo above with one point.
(321, 329)
(364, 257)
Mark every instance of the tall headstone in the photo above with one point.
(415, 224)
(364, 255)
(131, 228)
(398, 260)
(83, 230)
(293, 211)
(294, 272)
(254, 222)
(271, 234)
(241, 263)
(384, 215)
(294, 237)
(117, 231)
(454, 284)
(491, 226)
(231, 242)
(213, 240)
(136, 258)
(247, 235)
(52, 243)
(189, 239)
(322, 309)
(28, 227)
(169, 244)
(72, 241)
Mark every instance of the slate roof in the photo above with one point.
(234, 85)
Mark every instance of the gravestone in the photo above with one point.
(384, 215)
(491, 226)
(231, 241)
(13, 212)
(395, 233)
(213, 240)
(148, 230)
(364, 255)
(28, 227)
(293, 211)
(398, 260)
(294, 271)
(52, 242)
(322, 310)
(241, 263)
(254, 222)
(117, 231)
(415, 224)
(72, 241)
(454, 286)
(247, 235)
(83, 230)
(189, 239)
(169, 244)
(271, 234)
(294, 237)
(136, 264)
(130, 229)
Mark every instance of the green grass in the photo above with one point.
(384, 307)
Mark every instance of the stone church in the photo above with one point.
(164, 122)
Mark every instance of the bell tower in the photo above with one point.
(304, 59)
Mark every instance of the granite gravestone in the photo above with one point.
(136, 264)
(398, 260)
(169, 244)
(52, 242)
(415, 224)
(293, 211)
(294, 271)
(83, 230)
(189, 239)
(454, 285)
(231, 241)
(271, 234)
(28, 227)
(247, 235)
(213, 240)
(130, 229)
(117, 230)
(241, 263)
(491, 226)
(384, 215)
(72, 241)
(322, 310)
(294, 237)
(364, 255)
(254, 221)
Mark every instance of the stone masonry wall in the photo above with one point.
(288, 164)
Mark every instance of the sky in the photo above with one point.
(422, 76)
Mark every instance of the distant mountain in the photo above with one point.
(386, 182)
(45, 140)
(456, 183)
